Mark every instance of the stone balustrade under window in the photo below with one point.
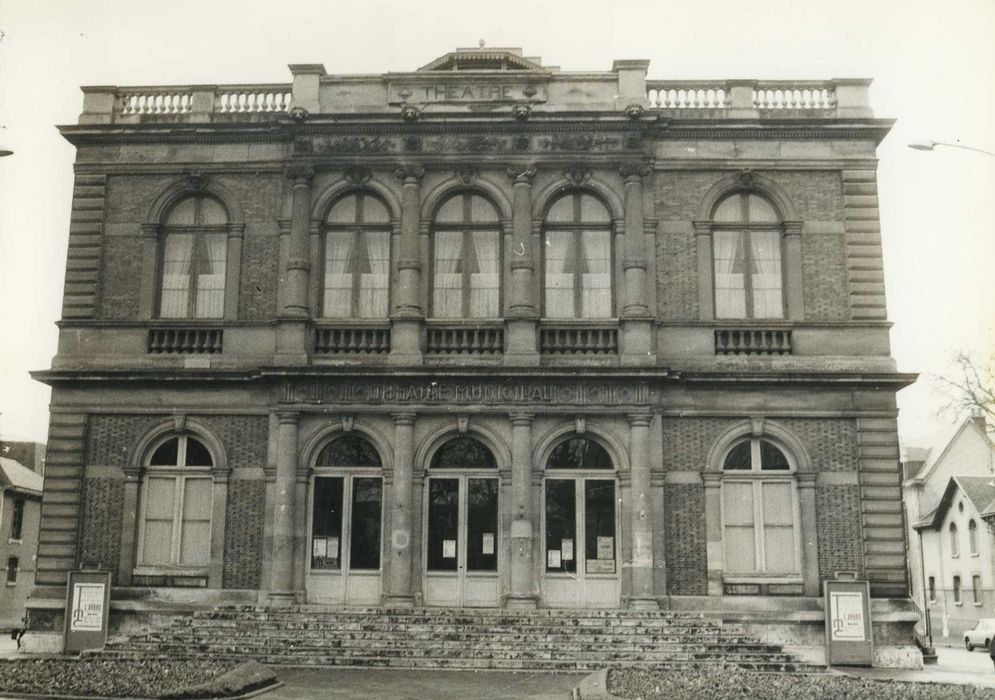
(753, 341)
(185, 341)
(578, 340)
(464, 340)
(366, 340)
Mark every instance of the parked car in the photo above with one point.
(981, 635)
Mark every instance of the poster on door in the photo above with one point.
(448, 549)
(87, 604)
(487, 545)
(606, 548)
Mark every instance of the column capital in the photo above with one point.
(521, 418)
(640, 420)
(792, 228)
(806, 480)
(631, 262)
(410, 174)
(711, 479)
(288, 417)
(408, 264)
(522, 174)
(702, 228)
(403, 418)
(634, 171)
(300, 174)
(298, 264)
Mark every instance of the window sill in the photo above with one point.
(193, 572)
(762, 578)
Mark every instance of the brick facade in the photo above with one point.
(103, 506)
(684, 528)
(244, 533)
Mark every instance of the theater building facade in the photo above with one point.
(487, 333)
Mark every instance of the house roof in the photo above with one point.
(979, 490)
(484, 59)
(937, 446)
(16, 476)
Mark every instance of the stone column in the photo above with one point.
(809, 532)
(642, 512)
(520, 341)
(523, 589)
(636, 341)
(281, 588)
(706, 293)
(291, 340)
(795, 309)
(406, 321)
(401, 509)
(713, 530)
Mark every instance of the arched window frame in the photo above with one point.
(365, 301)
(972, 537)
(575, 255)
(756, 479)
(954, 540)
(485, 297)
(181, 477)
(749, 236)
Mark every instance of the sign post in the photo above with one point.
(849, 636)
(88, 595)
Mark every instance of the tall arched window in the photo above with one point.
(759, 510)
(954, 541)
(356, 258)
(347, 506)
(193, 255)
(577, 254)
(746, 247)
(466, 269)
(972, 537)
(177, 492)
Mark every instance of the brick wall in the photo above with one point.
(841, 546)
(244, 522)
(686, 441)
(244, 438)
(824, 272)
(110, 440)
(103, 503)
(831, 443)
(121, 278)
(677, 276)
(260, 271)
(684, 538)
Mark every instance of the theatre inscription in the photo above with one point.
(463, 393)
(462, 91)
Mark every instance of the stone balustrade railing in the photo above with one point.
(739, 98)
(192, 103)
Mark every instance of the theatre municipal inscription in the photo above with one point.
(465, 91)
(434, 392)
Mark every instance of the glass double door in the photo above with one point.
(345, 543)
(461, 541)
(581, 547)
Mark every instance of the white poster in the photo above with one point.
(487, 546)
(448, 549)
(553, 559)
(88, 607)
(846, 613)
(606, 548)
(333, 547)
(319, 548)
(567, 547)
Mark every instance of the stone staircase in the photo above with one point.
(433, 638)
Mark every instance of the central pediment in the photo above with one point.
(486, 59)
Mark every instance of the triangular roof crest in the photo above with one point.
(496, 59)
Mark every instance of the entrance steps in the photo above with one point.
(551, 640)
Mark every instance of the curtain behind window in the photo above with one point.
(559, 275)
(485, 281)
(373, 281)
(211, 276)
(765, 247)
(730, 292)
(447, 298)
(596, 279)
(175, 293)
(338, 276)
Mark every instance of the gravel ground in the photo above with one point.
(107, 677)
(743, 685)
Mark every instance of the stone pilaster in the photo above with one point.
(408, 314)
(521, 326)
(636, 332)
(401, 513)
(809, 532)
(713, 531)
(523, 592)
(794, 297)
(281, 585)
(291, 340)
(642, 512)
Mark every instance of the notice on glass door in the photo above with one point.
(553, 559)
(319, 547)
(448, 549)
(567, 547)
(606, 548)
(487, 545)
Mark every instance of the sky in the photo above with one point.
(933, 66)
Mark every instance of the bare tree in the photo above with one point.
(969, 388)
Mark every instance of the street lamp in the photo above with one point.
(928, 145)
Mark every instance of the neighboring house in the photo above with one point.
(20, 511)
(948, 491)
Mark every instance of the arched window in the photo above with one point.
(972, 537)
(954, 541)
(466, 269)
(759, 510)
(463, 453)
(347, 506)
(177, 492)
(193, 254)
(577, 254)
(356, 258)
(579, 453)
(746, 247)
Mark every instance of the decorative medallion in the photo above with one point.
(467, 175)
(358, 175)
(634, 111)
(521, 112)
(412, 144)
(577, 174)
(298, 113)
(196, 181)
(409, 113)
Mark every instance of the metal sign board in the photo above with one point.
(849, 635)
(88, 595)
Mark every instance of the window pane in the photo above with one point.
(167, 454)
(183, 214)
(579, 453)
(374, 211)
(559, 274)
(197, 454)
(374, 275)
(771, 458)
(364, 546)
(485, 274)
(599, 525)
(730, 210)
(338, 274)
(443, 514)
(592, 211)
(562, 211)
(463, 453)
(738, 500)
(452, 211)
(212, 213)
(765, 249)
(447, 301)
(976, 588)
(779, 550)
(349, 451)
(740, 549)
(481, 525)
(561, 525)
(211, 254)
(778, 504)
(760, 210)
(972, 534)
(482, 211)
(326, 523)
(195, 532)
(158, 533)
(159, 494)
(730, 290)
(175, 290)
(738, 457)
(344, 211)
(596, 279)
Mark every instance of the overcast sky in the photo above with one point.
(933, 65)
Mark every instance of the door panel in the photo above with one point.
(443, 524)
